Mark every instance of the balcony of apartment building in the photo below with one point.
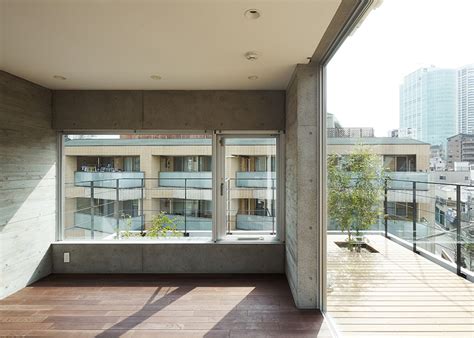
(420, 248)
(415, 276)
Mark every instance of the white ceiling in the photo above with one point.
(191, 44)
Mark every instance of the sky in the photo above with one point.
(397, 38)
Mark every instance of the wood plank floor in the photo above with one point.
(158, 306)
(395, 293)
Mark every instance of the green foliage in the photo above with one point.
(163, 226)
(355, 191)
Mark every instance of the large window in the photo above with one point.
(138, 187)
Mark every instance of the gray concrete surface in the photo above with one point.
(169, 110)
(27, 183)
(168, 258)
(302, 186)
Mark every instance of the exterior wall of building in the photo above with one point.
(428, 105)
(421, 151)
(460, 149)
(466, 99)
(350, 132)
(28, 174)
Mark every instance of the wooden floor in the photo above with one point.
(396, 293)
(158, 306)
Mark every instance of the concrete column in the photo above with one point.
(303, 190)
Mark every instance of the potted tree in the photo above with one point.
(355, 191)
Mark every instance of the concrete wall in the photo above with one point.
(302, 192)
(27, 183)
(168, 258)
(169, 110)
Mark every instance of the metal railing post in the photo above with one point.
(141, 205)
(273, 205)
(116, 207)
(92, 205)
(458, 231)
(228, 213)
(186, 234)
(414, 217)
(385, 208)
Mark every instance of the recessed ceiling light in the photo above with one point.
(59, 77)
(252, 14)
(251, 56)
(253, 77)
(155, 77)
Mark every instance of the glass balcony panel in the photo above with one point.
(109, 179)
(177, 179)
(255, 179)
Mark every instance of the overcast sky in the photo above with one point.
(395, 39)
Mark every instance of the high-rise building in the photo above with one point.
(466, 99)
(428, 105)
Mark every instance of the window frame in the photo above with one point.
(219, 223)
(217, 227)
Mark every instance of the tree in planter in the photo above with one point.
(163, 226)
(355, 191)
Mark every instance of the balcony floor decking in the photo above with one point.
(395, 293)
(158, 306)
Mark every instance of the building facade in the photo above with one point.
(466, 99)
(350, 132)
(428, 105)
(460, 149)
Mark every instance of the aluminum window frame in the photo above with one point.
(216, 236)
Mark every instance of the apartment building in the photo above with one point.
(172, 174)
(135, 178)
(460, 149)
(350, 132)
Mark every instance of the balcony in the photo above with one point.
(416, 280)
(395, 293)
(105, 225)
(254, 222)
(179, 179)
(255, 179)
(126, 179)
(192, 223)
(403, 180)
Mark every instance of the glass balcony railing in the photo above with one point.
(181, 179)
(106, 224)
(192, 223)
(126, 179)
(431, 218)
(403, 180)
(255, 179)
(254, 222)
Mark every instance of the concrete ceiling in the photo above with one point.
(190, 44)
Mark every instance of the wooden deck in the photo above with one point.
(158, 306)
(396, 293)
